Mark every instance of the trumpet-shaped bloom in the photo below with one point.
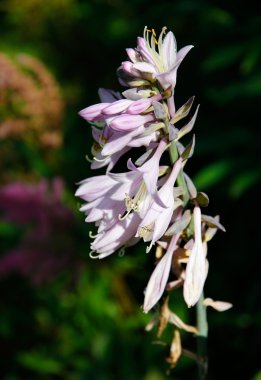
(196, 269)
(156, 59)
(158, 217)
(120, 233)
(159, 277)
(113, 197)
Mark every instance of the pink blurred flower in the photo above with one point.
(45, 248)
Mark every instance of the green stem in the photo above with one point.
(202, 326)
(174, 155)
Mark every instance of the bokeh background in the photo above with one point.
(64, 316)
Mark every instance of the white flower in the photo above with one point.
(196, 269)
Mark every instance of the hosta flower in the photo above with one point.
(119, 125)
(121, 232)
(159, 277)
(113, 197)
(158, 217)
(156, 59)
(152, 200)
(196, 269)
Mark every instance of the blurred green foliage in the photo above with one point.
(87, 323)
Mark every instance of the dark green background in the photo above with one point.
(87, 322)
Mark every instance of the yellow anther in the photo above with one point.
(145, 231)
(154, 34)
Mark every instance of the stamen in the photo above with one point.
(92, 236)
(103, 139)
(88, 158)
(124, 216)
(154, 35)
(91, 254)
(149, 247)
(145, 231)
(100, 160)
(121, 252)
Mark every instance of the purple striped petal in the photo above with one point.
(117, 107)
(132, 54)
(93, 112)
(128, 68)
(183, 52)
(129, 122)
(139, 106)
(159, 277)
(169, 50)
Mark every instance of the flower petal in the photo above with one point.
(93, 112)
(145, 67)
(159, 277)
(217, 305)
(119, 140)
(169, 50)
(117, 107)
(181, 54)
(129, 122)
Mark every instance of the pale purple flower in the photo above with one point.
(158, 217)
(45, 247)
(159, 277)
(128, 122)
(120, 124)
(196, 270)
(156, 59)
(94, 112)
(118, 187)
(114, 197)
(121, 232)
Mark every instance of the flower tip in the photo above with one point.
(82, 114)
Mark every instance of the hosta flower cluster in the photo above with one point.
(152, 200)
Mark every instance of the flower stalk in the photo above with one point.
(202, 336)
(173, 152)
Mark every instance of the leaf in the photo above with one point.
(189, 150)
(180, 224)
(202, 199)
(257, 376)
(213, 173)
(183, 111)
(159, 110)
(223, 57)
(39, 363)
(191, 187)
(212, 222)
(244, 181)
(8, 229)
(188, 127)
(211, 231)
(243, 90)
(173, 132)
